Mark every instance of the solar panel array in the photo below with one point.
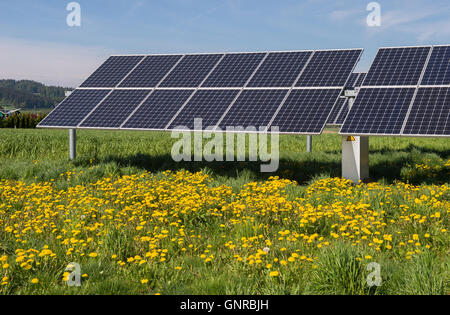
(406, 92)
(294, 91)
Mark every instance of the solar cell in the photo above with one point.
(336, 110)
(209, 105)
(234, 70)
(329, 68)
(191, 71)
(150, 71)
(430, 113)
(253, 108)
(379, 111)
(397, 66)
(306, 111)
(280, 69)
(158, 109)
(71, 111)
(114, 109)
(438, 69)
(112, 71)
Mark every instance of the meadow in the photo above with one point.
(139, 223)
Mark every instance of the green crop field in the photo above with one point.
(139, 223)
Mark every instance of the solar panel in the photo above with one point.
(306, 111)
(234, 70)
(378, 111)
(397, 66)
(438, 69)
(329, 68)
(360, 80)
(150, 71)
(336, 111)
(114, 109)
(341, 109)
(352, 80)
(191, 71)
(209, 105)
(158, 109)
(253, 108)
(112, 71)
(430, 113)
(74, 108)
(355, 80)
(342, 114)
(280, 69)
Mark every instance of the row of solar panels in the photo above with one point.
(294, 91)
(406, 92)
(303, 111)
(328, 68)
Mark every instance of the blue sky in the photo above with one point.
(36, 42)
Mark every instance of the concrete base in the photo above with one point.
(355, 158)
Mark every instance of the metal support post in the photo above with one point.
(309, 144)
(72, 144)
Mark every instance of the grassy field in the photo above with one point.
(139, 223)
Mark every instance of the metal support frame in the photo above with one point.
(309, 144)
(72, 144)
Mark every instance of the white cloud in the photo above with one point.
(47, 62)
(401, 17)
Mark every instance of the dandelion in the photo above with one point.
(274, 274)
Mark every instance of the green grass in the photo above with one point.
(128, 152)
(42, 155)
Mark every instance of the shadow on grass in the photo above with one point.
(300, 171)
(388, 168)
(443, 153)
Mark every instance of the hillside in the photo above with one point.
(28, 94)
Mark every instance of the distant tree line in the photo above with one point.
(22, 120)
(30, 94)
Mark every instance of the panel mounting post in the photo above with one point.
(72, 144)
(309, 144)
(355, 156)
